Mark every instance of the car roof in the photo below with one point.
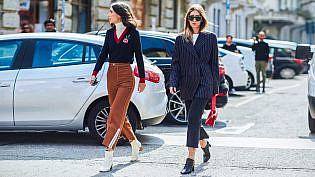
(143, 33)
(272, 43)
(229, 52)
(61, 36)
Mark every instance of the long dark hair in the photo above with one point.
(124, 11)
(188, 31)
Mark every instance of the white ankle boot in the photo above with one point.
(136, 148)
(108, 161)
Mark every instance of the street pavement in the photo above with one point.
(255, 135)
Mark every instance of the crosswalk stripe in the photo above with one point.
(244, 142)
(234, 130)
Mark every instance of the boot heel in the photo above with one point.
(189, 167)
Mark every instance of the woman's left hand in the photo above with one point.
(141, 87)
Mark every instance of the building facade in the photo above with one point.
(87, 15)
(281, 19)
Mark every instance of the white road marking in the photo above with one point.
(248, 100)
(242, 142)
(235, 130)
(253, 98)
(283, 88)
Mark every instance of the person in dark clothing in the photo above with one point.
(50, 25)
(27, 28)
(261, 49)
(229, 45)
(122, 43)
(195, 71)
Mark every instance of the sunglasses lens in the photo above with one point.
(191, 18)
(198, 18)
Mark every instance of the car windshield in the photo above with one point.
(285, 52)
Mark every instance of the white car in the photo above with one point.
(235, 71)
(249, 63)
(249, 60)
(306, 52)
(44, 85)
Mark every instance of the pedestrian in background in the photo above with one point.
(195, 71)
(261, 49)
(229, 44)
(50, 25)
(122, 42)
(27, 28)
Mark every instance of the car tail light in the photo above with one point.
(270, 58)
(221, 94)
(221, 71)
(298, 61)
(149, 75)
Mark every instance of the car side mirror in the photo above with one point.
(303, 52)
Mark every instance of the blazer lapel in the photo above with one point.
(190, 47)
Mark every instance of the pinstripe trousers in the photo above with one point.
(120, 86)
(195, 132)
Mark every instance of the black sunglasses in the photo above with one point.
(197, 17)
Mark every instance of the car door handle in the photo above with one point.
(81, 79)
(4, 85)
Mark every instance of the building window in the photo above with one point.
(34, 12)
(175, 13)
(214, 19)
(81, 16)
(246, 27)
(160, 13)
(218, 22)
(237, 26)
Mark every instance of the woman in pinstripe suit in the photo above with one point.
(195, 71)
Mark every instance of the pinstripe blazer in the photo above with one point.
(195, 68)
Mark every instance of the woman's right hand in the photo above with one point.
(173, 90)
(92, 80)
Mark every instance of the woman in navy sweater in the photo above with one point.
(195, 70)
(122, 42)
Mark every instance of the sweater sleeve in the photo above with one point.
(268, 51)
(138, 55)
(102, 57)
(175, 67)
(254, 46)
(214, 64)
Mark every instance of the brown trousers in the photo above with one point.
(120, 85)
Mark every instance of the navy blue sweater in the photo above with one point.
(121, 50)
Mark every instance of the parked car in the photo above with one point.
(249, 63)
(44, 85)
(282, 56)
(235, 72)
(158, 47)
(306, 52)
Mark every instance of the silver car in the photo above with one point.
(44, 85)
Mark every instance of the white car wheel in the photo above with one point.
(177, 109)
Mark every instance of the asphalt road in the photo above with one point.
(255, 135)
